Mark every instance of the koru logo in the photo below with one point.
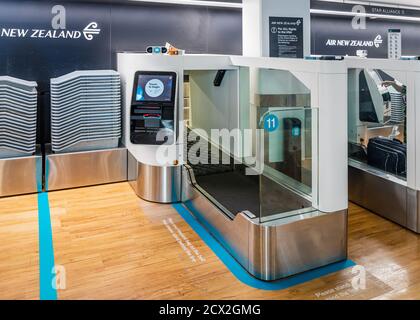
(91, 30)
(378, 41)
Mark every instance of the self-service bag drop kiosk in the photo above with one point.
(383, 148)
(150, 125)
(285, 212)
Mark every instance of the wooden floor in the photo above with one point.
(113, 245)
(19, 263)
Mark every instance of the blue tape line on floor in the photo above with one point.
(241, 274)
(46, 250)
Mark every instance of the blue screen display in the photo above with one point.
(156, 88)
(295, 131)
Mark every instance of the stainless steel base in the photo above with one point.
(154, 183)
(20, 175)
(80, 169)
(275, 249)
(385, 196)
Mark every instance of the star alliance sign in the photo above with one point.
(88, 33)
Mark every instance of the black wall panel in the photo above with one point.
(329, 27)
(43, 58)
(124, 26)
(135, 28)
(224, 32)
(334, 28)
(196, 29)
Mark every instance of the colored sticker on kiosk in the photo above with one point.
(271, 123)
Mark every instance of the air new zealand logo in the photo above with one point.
(58, 29)
(376, 42)
(91, 30)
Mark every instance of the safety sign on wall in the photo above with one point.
(286, 37)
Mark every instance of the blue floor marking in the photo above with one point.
(241, 274)
(46, 249)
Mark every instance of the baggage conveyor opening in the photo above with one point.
(233, 191)
(249, 175)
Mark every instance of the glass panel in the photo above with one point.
(237, 163)
(286, 179)
(377, 123)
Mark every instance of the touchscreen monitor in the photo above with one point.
(155, 87)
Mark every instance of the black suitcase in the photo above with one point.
(388, 155)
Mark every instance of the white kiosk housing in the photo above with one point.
(278, 203)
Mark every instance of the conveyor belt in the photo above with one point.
(234, 190)
(238, 192)
(202, 169)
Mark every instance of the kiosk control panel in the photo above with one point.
(152, 116)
